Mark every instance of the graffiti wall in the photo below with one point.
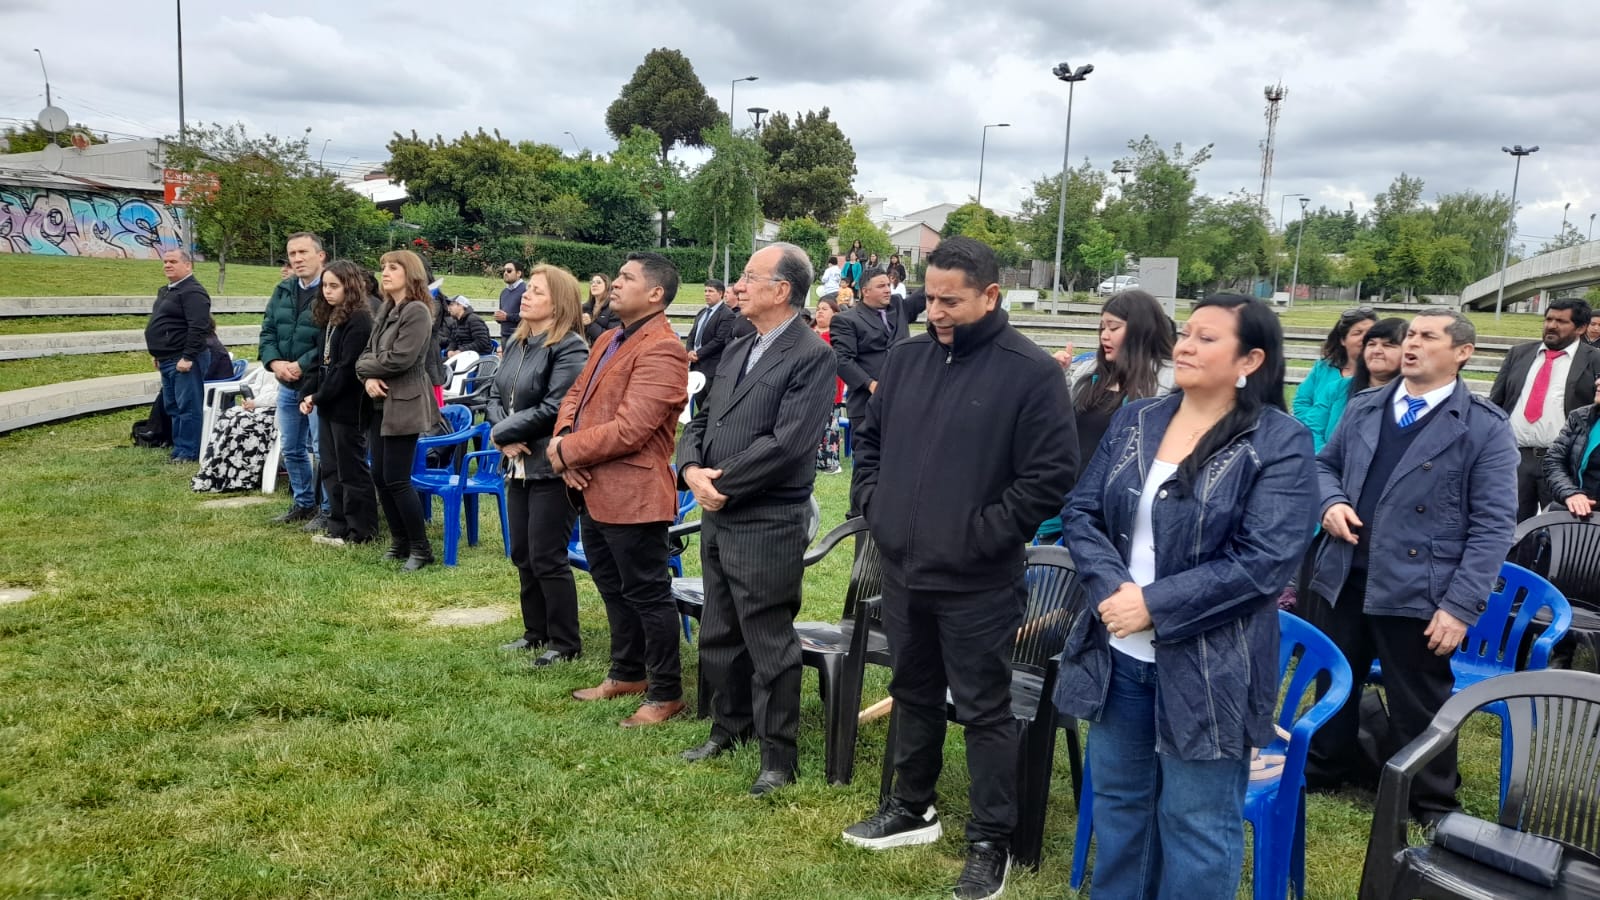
(84, 223)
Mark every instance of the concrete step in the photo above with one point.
(78, 343)
(70, 399)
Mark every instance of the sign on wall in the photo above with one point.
(1158, 275)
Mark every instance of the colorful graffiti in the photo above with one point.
(83, 223)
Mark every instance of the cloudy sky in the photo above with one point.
(1430, 87)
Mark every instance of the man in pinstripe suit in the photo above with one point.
(749, 455)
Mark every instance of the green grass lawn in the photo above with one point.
(24, 275)
(200, 704)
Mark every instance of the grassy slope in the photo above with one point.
(58, 276)
(201, 704)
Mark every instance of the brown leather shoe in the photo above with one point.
(654, 712)
(610, 688)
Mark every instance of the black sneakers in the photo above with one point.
(895, 826)
(296, 514)
(984, 875)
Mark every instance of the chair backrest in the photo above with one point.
(1305, 656)
(458, 417)
(1565, 550)
(697, 383)
(1493, 644)
(239, 367)
(479, 377)
(456, 367)
(1552, 790)
(866, 572)
(1055, 600)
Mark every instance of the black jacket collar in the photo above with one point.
(969, 339)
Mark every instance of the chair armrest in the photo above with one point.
(683, 529)
(848, 528)
(481, 456)
(446, 440)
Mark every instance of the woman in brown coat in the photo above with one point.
(394, 372)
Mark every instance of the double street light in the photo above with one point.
(1517, 151)
(982, 152)
(1294, 280)
(1071, 76)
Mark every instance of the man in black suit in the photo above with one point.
(1539, 383)
(861, 336)
(749, 455)
(708, 337)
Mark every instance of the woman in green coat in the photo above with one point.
(1320, 400)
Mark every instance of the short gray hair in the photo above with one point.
(184, 254)
(1460, 329)
(794, 267)
(308, 236)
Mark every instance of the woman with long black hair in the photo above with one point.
(1132, 361)
(1186, 525)
(1319, 401)
(344, 411)
(1379, 361)
(542, 360)
(394, 371)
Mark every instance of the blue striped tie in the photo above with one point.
(1414, 408)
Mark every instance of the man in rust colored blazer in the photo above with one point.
(613, 441)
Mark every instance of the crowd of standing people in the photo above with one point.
(1166, 461)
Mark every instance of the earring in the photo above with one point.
(1240, 383)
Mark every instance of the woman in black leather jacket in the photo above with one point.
(1572, 468)
(542, 359)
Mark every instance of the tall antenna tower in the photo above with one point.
(1274, 94)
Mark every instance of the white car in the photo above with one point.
(1117, 285)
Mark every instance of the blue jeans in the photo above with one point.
(183, 395)
(1164, 827)
(295, 427)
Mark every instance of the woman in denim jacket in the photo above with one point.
(1189, 521)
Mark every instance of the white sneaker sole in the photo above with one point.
(925, 835)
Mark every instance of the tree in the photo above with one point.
(1449, 263)
(984, 224)
(719, 202)
(855, 226)
(1036, 227)
(666, 97)
(1570, 237)
(1480, 219)
(618, 213)
(494, 186)
(31, 138)
(1232, 239)
(1159, 198)
(660, 180)
(1100, 250)
(810, 165)
(809, 235)
(257, 195)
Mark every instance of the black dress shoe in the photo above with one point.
(522, 643)
(770, 780)
(398, 551)
(551, 657)
(711, 749)
(296, 514)
(421, 555)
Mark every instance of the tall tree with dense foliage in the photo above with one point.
(1036, 227)
(983, 224)
(810, 166)
(719, 201)
(665, 96)
(1159, 199)
(809, 235)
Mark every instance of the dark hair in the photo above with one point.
(853, 256)
(658, 272)
(829, 302)
(353, 279)
(1392, 330)
(972, 257)
(1581, 313)
(794, 268)
(869, 274)
(1333, 347)
(308, 236)
(1146, 346)
(518, 267)
(1258, 329)
(717, 285)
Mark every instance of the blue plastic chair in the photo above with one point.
(1276, 807)
(480, 474)
(1493, 644)
(578, 559)
(445, 482)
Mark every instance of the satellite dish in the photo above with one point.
(51, 158)
(53, 119)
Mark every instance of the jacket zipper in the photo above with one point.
(911, 535)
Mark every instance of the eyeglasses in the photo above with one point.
(509, 270)
(750, 277)
(1358, 313)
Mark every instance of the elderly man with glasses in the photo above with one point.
(510, 311)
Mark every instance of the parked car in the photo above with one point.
(1117, 284)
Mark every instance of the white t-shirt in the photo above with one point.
(1142, 559)
(829, 283)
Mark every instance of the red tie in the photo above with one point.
(1541, 386)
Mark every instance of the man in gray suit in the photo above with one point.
(749, 455)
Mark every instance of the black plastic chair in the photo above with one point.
(1553, 792)
(1565, 550)
(1055, 600)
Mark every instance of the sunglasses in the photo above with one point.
(1358, 313)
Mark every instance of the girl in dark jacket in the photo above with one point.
(597, 315)
(1572, 467)
(1186, 525)
(344, 411)
(542, 360)
(394, 370)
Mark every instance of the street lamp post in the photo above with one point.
(1294, 280)
(323, 153)
(733, 89)
(1519, 152)
(1591, 226)
(756, 114)
(1275, 260)
(1064, 72)
(982, 152)
(574, 141)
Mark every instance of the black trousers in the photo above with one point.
(1416, 683)
(629, 566)
(391, 478)
(958, 643)
(1533, 492)
(541, 524)
(352, 503)
(752, 561)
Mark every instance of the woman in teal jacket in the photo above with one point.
(1320, 400)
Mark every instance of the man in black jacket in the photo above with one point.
(467, 330)
(969, 444)
(707, 337)
(510, 312)
(749, 455)
(176, 339)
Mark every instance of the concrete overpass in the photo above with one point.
(1557, 270)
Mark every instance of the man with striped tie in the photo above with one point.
(1419, 496)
